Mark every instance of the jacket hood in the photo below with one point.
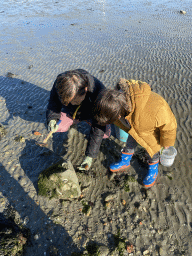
(137, 92)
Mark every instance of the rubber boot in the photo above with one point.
(151, 176)
(123, 163)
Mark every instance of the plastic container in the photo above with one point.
(167, 156)
(121, 134)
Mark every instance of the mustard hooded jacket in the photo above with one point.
(153, 125)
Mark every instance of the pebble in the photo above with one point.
(26, 220)
(36, 237)
(146, 252)
(183, 12)
(103, 250)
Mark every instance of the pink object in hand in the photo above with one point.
(67, 121)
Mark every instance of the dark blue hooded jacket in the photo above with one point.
(55, 108)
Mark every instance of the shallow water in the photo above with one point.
(103, 9)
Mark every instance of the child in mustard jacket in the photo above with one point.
(145, 115)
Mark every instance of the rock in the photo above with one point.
(36, 237)
(103, 250)
(183, 12)
(13, 238)
(146, 252)
(59, 181)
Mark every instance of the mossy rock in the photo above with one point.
(59, 181)
(13, 238)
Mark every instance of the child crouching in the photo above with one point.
(145, 115)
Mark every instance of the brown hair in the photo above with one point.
(109, 105)
(69, 84)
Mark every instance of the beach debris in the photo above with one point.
(3, 131)
(59, 181)
(19, 138)
(86, 208)
(44, 143)
(123, 202)
(10, 75)
(108, 205)
(183, 12)
(110, 197)
(169, 177)
(30, 66)
(37, 133)
(130, 248)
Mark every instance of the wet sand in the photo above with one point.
(136, 40)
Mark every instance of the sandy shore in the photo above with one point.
(132, 39)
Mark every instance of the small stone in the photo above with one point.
(26, 220)
(183, 12)
(30, 66)
(36, 237)
(146, 252)
(103, 250)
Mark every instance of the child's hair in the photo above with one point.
(109, 106)
(70, 83)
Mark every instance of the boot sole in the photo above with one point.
(122, 169)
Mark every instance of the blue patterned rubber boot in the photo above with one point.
(151, 176)
(123, 163)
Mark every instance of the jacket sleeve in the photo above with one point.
(167, 124)
(54, 106)
(95, 139)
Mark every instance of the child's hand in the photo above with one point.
(86, 164)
